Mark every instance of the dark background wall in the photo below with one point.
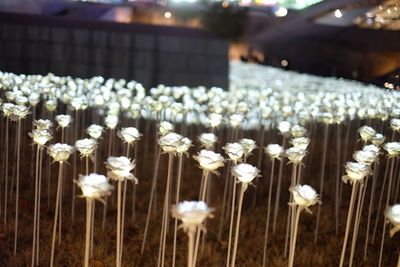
(149, 54)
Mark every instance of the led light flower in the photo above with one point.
(378, 139)
(366, 133)
(235, 120)
(214, 120)
(63, 120)
(364, 156)
(304, 196)
(19, 112)
(60, 152)
(170, 142)
(94, 131)
(40, 137)
(300, 142)
(191, 213)
(129, 135)
(295, 154)
(184, 146)
(392, 148)
(207, 140)
(42, 124)
(165, 127)
(51, 105)
(248, 146)
(284, 127)
(7, 109)
(327, 118)
(395, 124)
(372, 148)
(356, 172)
(234, 151)
(393, 215)
(274, 151)
(94, 186)
(120, 168)
(111, 121)
(209, 160)
(245, 172)
(298, 131)
(86, 146)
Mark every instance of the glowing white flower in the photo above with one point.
(184, 145)
(165, 127)
(40, 137)
(356, 172)
(120, 169)
(364, 156)
(129, 135)
(234, 151)
(393, 148)
(63, 120)
(94, 186)
(300, 142)
(378, 139)
(94, 131)
(395, 124)
(304, 196)
(60, 152)
(245, 173)
(235, 120)
(170, 142)
(298, 131)
(19, 112)
(248, 145)
(214, 120)
(7, 109)
(393, 215)
(42, 124)
(51, 105)
(209, 160)
(207, 140)
(86, 146)
(111, 121)
(274, 151)
(284, 127)
(366, 133)
(295, 154)
(373, 148)
(327, 118)
(191, 213)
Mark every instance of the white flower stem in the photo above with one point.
(268, 213)
(278, 189)
(322, 178)
(338, 165)
(294, 237)
(290, 215)
(178, 186)
(38, 210)
(161, 258)
(239, 211)
(228, 257)
(17, 186)
(89, 205)
(76, 125)
(224, 204)
(118, 262)
(259, 160)
(6, 171)
(371, 201)
(357, 221)
(386, 206)
(123, 212)
(348, 223)
(35, 209)
(153, 188)
(134, 189)
(53, 242)
(191, 233)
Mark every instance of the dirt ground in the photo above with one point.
(250, 249)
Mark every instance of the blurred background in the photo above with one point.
(191, 42)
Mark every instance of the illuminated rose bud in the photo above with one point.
(298, 131)
(184, 145)
(356, 172)
(295, 154)
(392, 148)
(19, 112)
(300, 142)
(245, 173)
(170, 142)
(111, 121)
(234, 151)
(86, 146)
(63, 120)
(284, 127)
(94, 131)
(60, 152)
(395, 124)
(378, 139)
(364, 156)
(209, 160)
(129, 135)
(248, 146)
(191, 213)
(392, 213)
(40, 137)
(94, 186)
(120, 169)
(165, 127)
(42, 124)
(207, 140)
(7, 109)
(274, 151)
(366, 133)
(304, 196)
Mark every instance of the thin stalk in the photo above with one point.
(239, 211)
(349, 217)
(337, 187)
(118, 224)
(278, 189)
(191, 233)
(38, 211)
(386, 206)
(228, 258)
(357, 222)
(74, 167)
(17, 187)
(123, 211)
(89, 203)
(294, 237)
(6, 172)
(35, 211)
(371, 201)
(53, 242)
(224, 200)
(268, 213)
(178, 186)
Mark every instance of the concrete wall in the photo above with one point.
(148, 54)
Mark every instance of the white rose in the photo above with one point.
(245, 172)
